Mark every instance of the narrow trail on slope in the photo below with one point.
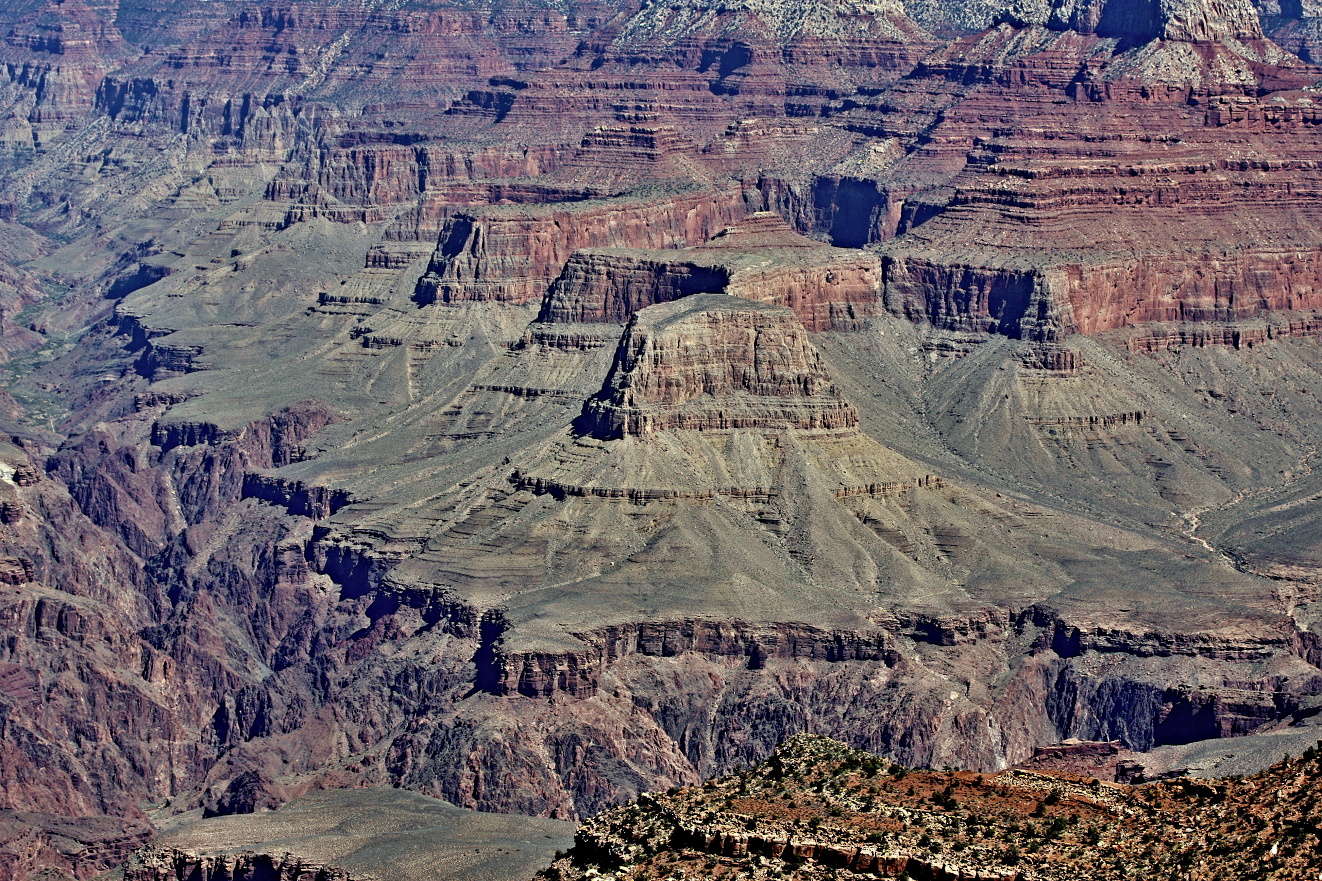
(1193, 519)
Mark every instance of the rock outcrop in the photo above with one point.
(814, 809)
(759, 259)
(512, 254)
(715, 362)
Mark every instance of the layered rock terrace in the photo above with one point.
(715, 362)
(761, 259)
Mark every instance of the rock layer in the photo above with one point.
(714, 362)
(511, 255)
(759, 259)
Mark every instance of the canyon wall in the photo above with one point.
(535, 407)
(512, 254)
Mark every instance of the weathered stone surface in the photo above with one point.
(759, 259)
(715, 362)
(511, 255)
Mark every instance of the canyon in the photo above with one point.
(532, 406)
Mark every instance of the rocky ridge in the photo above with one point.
(817, 809)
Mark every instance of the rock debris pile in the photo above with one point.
(817, 809)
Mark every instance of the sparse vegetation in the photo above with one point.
(813, 811)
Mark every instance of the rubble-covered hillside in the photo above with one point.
(818, 809)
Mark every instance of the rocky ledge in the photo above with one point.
(817, 809)
(713, 361)
(761, 258)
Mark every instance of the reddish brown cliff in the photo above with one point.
(1042, 229)
(511, 254)
(760, 259)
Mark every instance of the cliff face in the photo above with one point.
(274, 53)
(94, 646)
(609, 287)
(69, 613)
(55, 57)
(353, 833)
(760, 258)
(1038, 238)
(715, 362)
(511, 255)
